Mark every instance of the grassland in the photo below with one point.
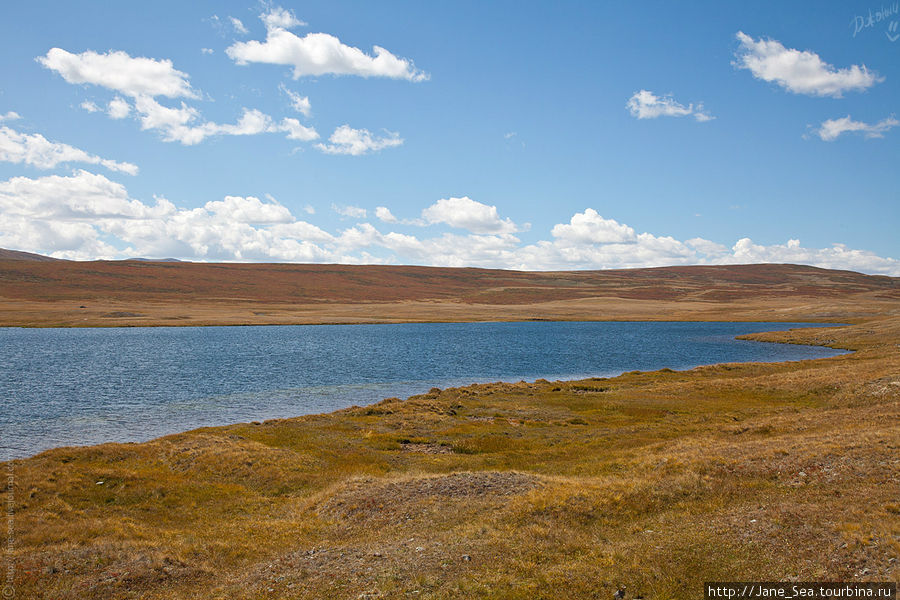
(53, 293)
(655, 481)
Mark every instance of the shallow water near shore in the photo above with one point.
(61, 387)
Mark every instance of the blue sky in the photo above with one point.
(502, 134)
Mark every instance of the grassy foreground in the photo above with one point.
(657, 481)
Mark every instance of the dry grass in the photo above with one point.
(130, 293)
(657, 481)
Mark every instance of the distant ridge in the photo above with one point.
(39, 291)
(19, 255)
(167, 260)
(31, 276)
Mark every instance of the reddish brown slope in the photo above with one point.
(154, 293)
(291, 283)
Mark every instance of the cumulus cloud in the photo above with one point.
(384, 214)
(296, 131)
(145, 79)
(207, 51)
(299, 103)
(280, 18)
(591, 228)
(10, 116)
(182, 124)
(647, 105)
(831, 129)
(838, 256)
(800, 72)
(346, 140)
(87, 216)
(318, 53)
(117, 71)
(35, 150)
(465, 213)
(118, 108)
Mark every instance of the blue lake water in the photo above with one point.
(61, 387)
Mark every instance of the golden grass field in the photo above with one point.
(655, 481)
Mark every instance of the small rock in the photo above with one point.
(466, 558)
(99, 483)
(802, 473)
(420, 549)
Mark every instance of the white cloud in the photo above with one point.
(280, 18)
(309, 209)
(465, 213)
(118, 108)
(346, 140)
(177, 124)
(87, 216)
(82, 196)
(238, 25)
(646, 105)
(590, 228)
(318, 53)
(249, 210)
(836, 257)
(10, 116)
(353, 212)
(707, 247)
(143, 79)
(800, 72)
(117, 71)
(385, 214)
(207, 50)
(37, 151)
(299, 103)
(831, 129)
(296, 131)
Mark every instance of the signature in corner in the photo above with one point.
(892, 29)
(882, 15)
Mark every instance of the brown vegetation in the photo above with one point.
(657, 481)
(137, 293)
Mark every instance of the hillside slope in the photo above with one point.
(156, 293)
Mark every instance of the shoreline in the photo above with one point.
(747, 336)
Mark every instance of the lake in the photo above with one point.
(62, 387)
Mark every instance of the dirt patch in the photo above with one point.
(427, 448)
(362, 572)
(362, 497)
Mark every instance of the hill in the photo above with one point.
(19, 255)
(103, 293)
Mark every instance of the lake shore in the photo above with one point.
(657, 481)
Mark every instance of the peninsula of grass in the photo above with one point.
(655, 481)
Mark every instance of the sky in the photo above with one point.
(510, 134)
